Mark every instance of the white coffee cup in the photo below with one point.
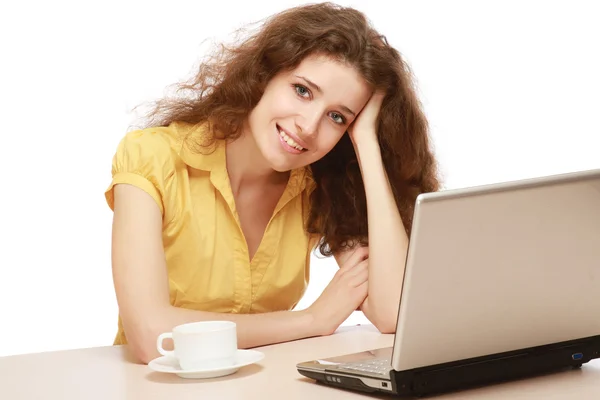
(202, 345)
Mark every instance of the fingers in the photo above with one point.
(359, 274)
(376, 100)
(373, 106)
(360, 279)
(363, 289)
(344, 255)
(357, 255)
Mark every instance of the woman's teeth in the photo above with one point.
(290, 141)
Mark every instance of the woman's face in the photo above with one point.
(303, 113)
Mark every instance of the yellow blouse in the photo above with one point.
(206, 253)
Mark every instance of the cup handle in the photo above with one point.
(159, 342)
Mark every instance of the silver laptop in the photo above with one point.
(501, 282)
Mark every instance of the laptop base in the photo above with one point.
(461, 375)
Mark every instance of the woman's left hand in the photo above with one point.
(364, 127)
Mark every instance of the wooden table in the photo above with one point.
(108, 373)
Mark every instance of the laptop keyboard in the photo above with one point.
(376, 366)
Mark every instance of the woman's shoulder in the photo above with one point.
(159, 141)
(161, 147)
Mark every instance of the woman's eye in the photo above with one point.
(338, 118)
(302, 90)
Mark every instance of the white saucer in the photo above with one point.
(170, 365)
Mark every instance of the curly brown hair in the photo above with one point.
(230, 82)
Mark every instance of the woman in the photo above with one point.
(307, 133)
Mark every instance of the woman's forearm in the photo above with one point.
(252, 329)
(388, 241)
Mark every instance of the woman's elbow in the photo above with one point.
(144, 351)
(384, 321)
(386, 326)
(142, 344)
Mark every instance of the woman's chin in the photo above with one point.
(283, 165)
(280, 166)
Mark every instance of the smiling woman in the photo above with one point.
(307, 133)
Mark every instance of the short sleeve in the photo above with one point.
(144, 158)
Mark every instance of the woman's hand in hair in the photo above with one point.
(364, 126)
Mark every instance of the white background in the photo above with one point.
(511, 89)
